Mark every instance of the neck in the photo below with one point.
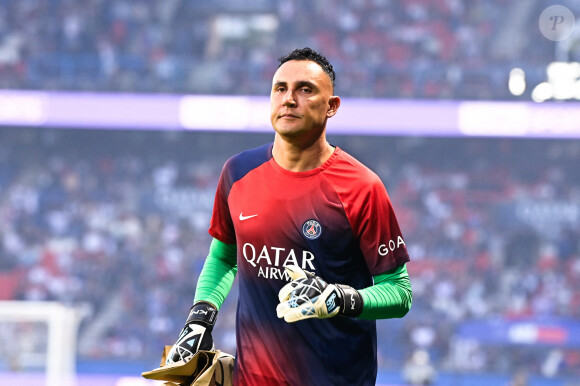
(300, 158)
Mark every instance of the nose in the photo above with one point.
(289, 99)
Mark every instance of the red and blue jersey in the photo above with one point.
(336, 221)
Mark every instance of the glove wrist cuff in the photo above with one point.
(352, 304)
(202, 313)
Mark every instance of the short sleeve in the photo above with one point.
(221, 224)
(375, 225)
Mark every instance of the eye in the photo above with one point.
(306, 90)
(280, 89)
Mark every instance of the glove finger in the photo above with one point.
(300, 305)
(284, 293)
(295, 272)
(305, 311)
(287, 310)
(281, 309)
(284, 307)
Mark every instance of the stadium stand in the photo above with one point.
(444, 49)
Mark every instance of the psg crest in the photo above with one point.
(311, 229)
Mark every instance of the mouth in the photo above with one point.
(289, 116)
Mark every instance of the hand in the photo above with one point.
(309, 296)
(196, 335)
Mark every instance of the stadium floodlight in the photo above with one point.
(563, 76)
(517, 81)
(563, 82)
(542, 92)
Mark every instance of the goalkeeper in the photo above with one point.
(312, 236)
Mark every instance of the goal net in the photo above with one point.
(38, 342)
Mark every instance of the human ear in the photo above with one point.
(333, 105)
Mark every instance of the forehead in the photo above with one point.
(302, 70)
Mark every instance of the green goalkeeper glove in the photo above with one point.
(196, 335)
(309, 296)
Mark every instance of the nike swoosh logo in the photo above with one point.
(242, 217)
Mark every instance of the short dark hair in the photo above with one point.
(308, 53)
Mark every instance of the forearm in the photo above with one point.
(390, 297)
(218, 273)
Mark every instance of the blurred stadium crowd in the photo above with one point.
(118, 220)
(381, 48)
